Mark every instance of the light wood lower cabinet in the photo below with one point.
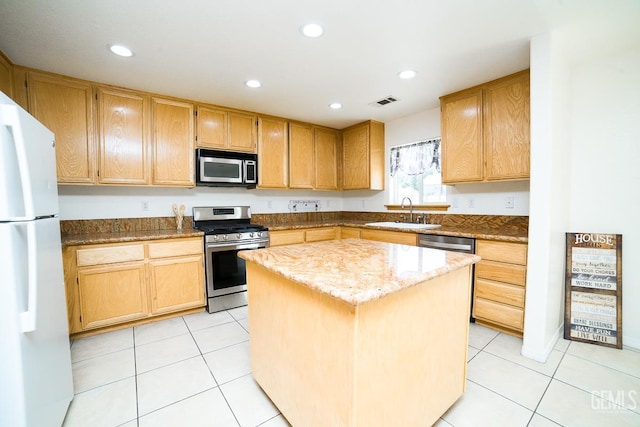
(111, 294)
(113, 284)
(500, 285)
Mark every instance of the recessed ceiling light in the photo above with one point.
(312, 30)
(335, 105)
(120, 50)
(253, 83)
(407, 74)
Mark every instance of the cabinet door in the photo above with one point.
(173, 143)
(212, 128)
(301, 156)
(242, 132)
(66, 108)
(355, 158)
(462, 149)
(123, 137)
(506, 128)
(111, 294)
(326, 159)
(6, 76)
(176, 284)
(273, 153)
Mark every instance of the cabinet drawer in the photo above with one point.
(319, 234)
(509, 273)
(349, 233)
(499, 292)
(289, 237)
(390, 237)
(506, 315)
(175, 248)
(514, 253)
(110, 254)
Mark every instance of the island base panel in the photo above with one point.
(398, 360)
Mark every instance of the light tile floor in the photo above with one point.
(194, 371)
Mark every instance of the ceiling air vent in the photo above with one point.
(384, 101)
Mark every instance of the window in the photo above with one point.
(416, 173)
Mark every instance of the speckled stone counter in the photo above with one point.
(96, 231)
(359, 333)
(126, 236)
(490, 227)
(358, 271)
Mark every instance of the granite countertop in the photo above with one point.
(485, 231)
(127, 236)
(357, 271)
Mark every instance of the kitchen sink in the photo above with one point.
(405, 225)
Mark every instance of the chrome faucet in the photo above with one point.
(410, 207)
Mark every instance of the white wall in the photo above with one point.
(77, 202)
(585, 120)
(485, 198)
(605, 164)
(549, 214)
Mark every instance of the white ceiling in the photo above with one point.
(205, 49)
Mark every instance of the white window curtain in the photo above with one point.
(416, 158)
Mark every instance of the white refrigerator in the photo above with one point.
(36, 386)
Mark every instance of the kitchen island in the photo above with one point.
(359, 333)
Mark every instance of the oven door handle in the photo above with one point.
(236, 247)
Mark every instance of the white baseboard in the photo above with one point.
(542, 355)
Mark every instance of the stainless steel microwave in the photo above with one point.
(226, 169)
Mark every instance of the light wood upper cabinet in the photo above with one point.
(313, 157)
(173, 143)
(6, 76)
(506, 128)
(221, 129)
(66, 108)
(123, 137)
(326, 159)
(242, 132)
(462, 149)
(273, 153)
(363, 156)
(486, 131)
(302, 165)
(211, 128)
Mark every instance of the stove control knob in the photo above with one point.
(251, 234)
(215, 237)
(225, 237)
(239, 236)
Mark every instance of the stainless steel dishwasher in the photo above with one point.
(451, 243)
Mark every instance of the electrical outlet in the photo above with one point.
(508, 202)
(455, 203)
(269, 204)
(145, 206)
(472, 203)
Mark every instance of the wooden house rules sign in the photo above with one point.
(593, 289)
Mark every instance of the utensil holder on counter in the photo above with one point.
(179, 213)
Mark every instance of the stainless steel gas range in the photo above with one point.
(227, 230)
